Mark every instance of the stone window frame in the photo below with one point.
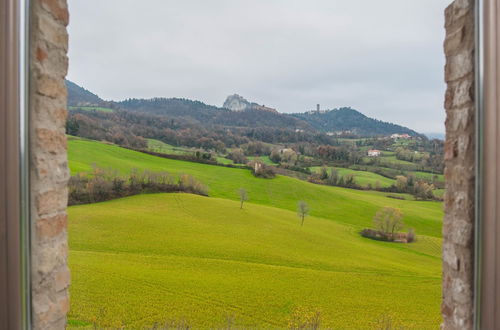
(478, 194)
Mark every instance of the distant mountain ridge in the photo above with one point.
(238, 112)
(79, 96)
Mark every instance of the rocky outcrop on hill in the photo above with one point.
(236, 102)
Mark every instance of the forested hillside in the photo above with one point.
(204, 114)
(79, 96)
(129, 128)
(346, 119)
(343, 121)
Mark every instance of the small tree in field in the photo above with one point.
(302, 211)
(243, 196)
(388, 221)
(401, 183)
(333, 177)
(323, 175)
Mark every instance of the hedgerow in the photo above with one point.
(102, 185)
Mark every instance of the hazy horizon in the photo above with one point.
(289, 55)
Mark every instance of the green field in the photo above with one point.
(393, 160)
(91, 109)
(165, 148)
(162, 147)
(163, 257)
(363, 178)
(282, 192)
(427, 176)
(264, 159)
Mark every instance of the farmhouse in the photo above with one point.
(400, 136)
(373, 153)
(339, 132)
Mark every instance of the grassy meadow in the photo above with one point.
(165, 148)
(363, 178)
(428, 176)
(157, 258)
(264, 159)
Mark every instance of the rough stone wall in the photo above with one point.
(458, 226)
(49, 167)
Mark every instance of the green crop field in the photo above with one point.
(158, 258)
(363, 178)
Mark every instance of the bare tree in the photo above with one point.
(302, 211)
(401, 183)
(388, 221)
(243, 196)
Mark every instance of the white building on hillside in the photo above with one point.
(400, 136)
(373, 153)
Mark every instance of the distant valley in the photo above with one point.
(241, 131)
(199, 216)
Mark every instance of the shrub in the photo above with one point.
(256, 149)
(261, 170)
(237, 156)
(381, 236)
(387, 322)
(410, 236)
(305, 318)
(396, 197)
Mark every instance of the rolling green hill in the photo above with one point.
(283, 192)
(165, 148)
(158, 258)
(154, 258)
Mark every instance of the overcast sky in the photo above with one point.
(383, 58)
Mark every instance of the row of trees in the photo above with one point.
(404, 184)
(430, 161)
(419, 188)
(101, 185)
(333, 178)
